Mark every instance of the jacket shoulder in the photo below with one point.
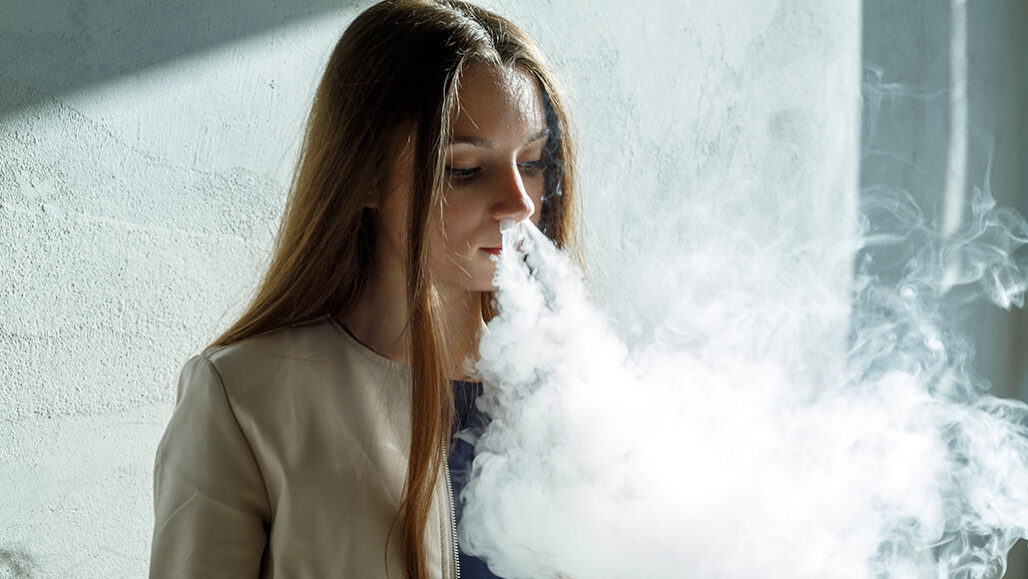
(287, 358)
(312, 341)
(260, 362)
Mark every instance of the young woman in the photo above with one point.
(314, 438)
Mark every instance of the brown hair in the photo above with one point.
(397, 67)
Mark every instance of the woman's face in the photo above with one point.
(493, 172)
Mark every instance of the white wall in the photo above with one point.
(138, 202)
(135, 215)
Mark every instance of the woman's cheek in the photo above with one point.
(459, 217)
(536, 194)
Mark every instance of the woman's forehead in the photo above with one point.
(498, 106)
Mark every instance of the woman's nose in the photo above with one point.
(516, 203)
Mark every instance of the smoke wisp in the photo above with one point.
(732, 444)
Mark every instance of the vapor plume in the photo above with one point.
(725, 446)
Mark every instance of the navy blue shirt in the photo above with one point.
(466, 416)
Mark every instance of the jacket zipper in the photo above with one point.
(453, 512)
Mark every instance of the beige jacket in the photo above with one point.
(285, 457)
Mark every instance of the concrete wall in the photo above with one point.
(690, 109)
(146, 150)
(144, 154)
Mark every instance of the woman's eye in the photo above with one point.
(460, 174)
(531, 167)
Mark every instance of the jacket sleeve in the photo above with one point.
(210, 502)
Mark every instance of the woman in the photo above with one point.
(312, 438)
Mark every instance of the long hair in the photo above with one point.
(397, 68)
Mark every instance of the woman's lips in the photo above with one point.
(492, 250)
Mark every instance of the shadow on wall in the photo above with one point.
(15, 564)
(944, 115)
(953, 72)
(52, 47)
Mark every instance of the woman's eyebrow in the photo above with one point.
(486, 144)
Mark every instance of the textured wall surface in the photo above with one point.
(137, 205)
(146, 151)
(739, 110)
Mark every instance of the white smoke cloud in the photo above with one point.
(727, 446)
